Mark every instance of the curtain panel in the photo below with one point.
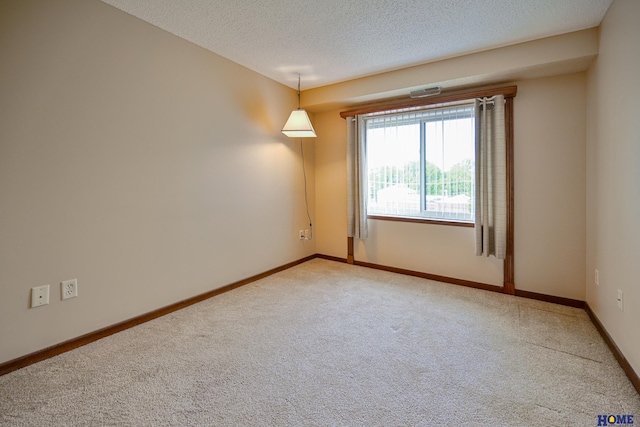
(491, 178)
(357, 179)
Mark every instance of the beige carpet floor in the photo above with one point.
(328, 344)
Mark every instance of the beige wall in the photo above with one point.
(563, 54)
(138, 163)
(613, 184)
(433, 249)
(549, 207)
(550, 153)
(331, 178)
(148, 168)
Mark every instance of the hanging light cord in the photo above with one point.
(298, 91)
(304, 173)
(306, 199)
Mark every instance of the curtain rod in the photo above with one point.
(490, 100)
(399, 103)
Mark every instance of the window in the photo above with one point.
(421, 163)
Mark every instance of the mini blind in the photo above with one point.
(421, 162)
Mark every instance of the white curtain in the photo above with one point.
(491, 178)
(357, 180)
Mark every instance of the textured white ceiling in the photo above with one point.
(328, 41)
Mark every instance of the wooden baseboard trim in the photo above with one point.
(451, 280)
(550, 298)
(624, 364)
(332, 258)
(471, 284)
(509, 288)
(74, 343)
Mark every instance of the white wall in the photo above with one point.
(549, 207)
(148, 168)
(613, 184)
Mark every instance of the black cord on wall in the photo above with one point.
(306, 199)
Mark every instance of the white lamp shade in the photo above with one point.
(299, 125)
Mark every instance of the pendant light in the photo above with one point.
(299, 125)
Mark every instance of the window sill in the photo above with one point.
(422, 220)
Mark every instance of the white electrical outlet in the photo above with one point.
(620, 299)
(597, 278)
(39, 296)
(301, 234)
(69, 288)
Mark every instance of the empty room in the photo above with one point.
(336, 213)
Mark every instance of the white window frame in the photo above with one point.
(421, 116)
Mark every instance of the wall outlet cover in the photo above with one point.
(69, 289)
(39, 296)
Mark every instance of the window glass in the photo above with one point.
(422, 163)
